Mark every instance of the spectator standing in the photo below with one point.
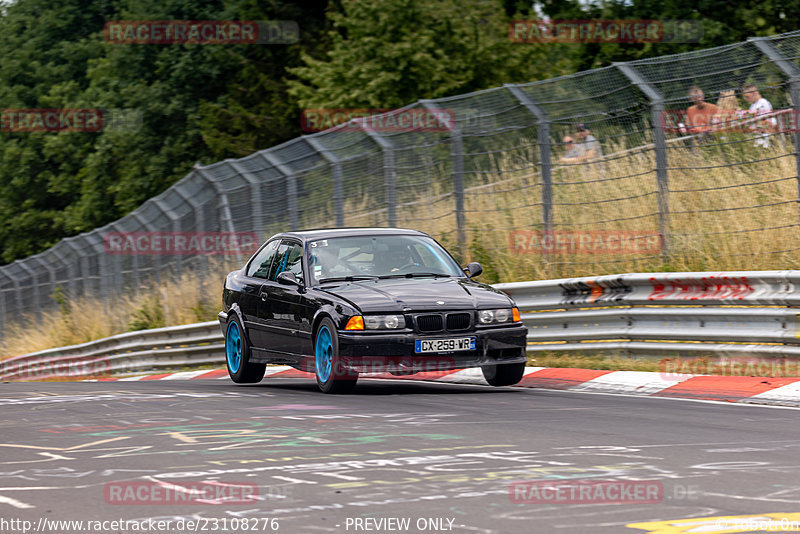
(759, 106)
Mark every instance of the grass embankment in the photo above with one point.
(731, 208)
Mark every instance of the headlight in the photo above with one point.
(391, 322)
(502, 315)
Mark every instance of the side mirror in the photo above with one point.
(473, 269)
(287, 278)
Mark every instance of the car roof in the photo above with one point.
(327, 233)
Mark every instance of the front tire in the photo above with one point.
(237, 355)
(332, 377)
(506, 374)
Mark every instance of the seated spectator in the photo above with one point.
(729, 111)
(571, 153)
(759, 106)
(700, 115)
(588, 144)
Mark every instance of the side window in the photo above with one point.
(260, 265)
(289, 258)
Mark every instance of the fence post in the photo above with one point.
(200, 222)
(63, 262)
(73, 268)
(543, 138)
(35, 287)
(223, 207)
(291, 186)
(765, 46)
(85, 270)
(660, 146)
(176, 225)
(4, 318)
(256, 210)
(457, 154)
(95, 240)
(336, 171)
(389, 171)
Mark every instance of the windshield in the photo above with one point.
(389, 256)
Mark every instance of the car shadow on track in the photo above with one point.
(372, 386)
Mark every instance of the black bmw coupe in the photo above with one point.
(347, 301)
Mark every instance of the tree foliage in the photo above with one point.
(209, 102)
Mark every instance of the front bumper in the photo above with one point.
(394, 352)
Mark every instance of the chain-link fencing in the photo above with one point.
(644, 185)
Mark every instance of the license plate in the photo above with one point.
(444, 345)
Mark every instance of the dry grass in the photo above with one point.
(619, 195)
(727, 212)
(185, 300)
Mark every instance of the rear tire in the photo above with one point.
(506, 374)
(332, 377)
(237, 355)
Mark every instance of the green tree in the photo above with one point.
(392, 53)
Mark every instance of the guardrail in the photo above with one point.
(657, 315)
(170, 347)
(664, 314)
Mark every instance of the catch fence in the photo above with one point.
(494, 186)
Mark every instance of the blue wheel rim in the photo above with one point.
(233, 347)
(324, 354)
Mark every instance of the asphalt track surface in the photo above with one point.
(395, 456)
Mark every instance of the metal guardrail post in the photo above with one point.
(389, 172)
(660, 146)
(291, 186)
(336, 171)
(766, 47)
(543, 138)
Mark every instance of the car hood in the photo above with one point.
(419, 294)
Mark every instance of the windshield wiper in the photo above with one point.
(351, 278)
(414, 275)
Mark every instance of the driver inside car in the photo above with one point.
(395, 259)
